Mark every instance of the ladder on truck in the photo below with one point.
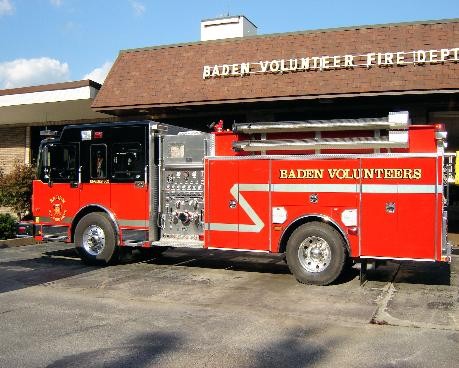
(388, 133)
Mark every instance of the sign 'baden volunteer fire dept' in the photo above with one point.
(322, 63)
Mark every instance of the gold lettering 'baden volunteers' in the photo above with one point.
(376, 173)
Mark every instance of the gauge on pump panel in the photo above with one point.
(186, 175)
(170, 178)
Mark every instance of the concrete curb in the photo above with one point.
(18, 242)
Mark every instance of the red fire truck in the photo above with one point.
(322, 192)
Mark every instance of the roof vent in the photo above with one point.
(227, 27)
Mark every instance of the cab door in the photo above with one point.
(95, 187)
(129, 183)
(56, 192)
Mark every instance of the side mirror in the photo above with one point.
(46, 167)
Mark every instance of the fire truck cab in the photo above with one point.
(321, 192)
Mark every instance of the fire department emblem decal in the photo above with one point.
(57, 211)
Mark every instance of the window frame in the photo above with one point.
(48, 171)
(132, 175)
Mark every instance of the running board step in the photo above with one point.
(55, 238)
(178, 243)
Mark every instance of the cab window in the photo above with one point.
(128, 161)
(98, 167)
(58, 163)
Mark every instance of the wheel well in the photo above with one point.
(85, 211)
(304, 220)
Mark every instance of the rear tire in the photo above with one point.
(95, 239)
(316, 253)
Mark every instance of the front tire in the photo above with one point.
(95, 239)
(316, 253)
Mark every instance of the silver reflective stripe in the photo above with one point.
(223, 227)
(401, 259)
(354, 188)
(380, 188)
(402, 188)
(65, 220)
(241, 250)
(138, 223)
(258, 223)
(320, 188)
(252, 187)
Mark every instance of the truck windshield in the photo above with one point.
(58, 163)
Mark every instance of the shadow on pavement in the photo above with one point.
(50, 266)
(56, 264)
(231, 260)
(142, 351)
(427, 273)
(300, 349)
(410, 272)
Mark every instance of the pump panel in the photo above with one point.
(182, 188)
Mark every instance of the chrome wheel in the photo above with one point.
(93, 240)
(314, 254)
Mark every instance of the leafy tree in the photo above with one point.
(16, 189)
(7, 226)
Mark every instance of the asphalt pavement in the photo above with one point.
(220, 309)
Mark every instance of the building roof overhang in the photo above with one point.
(49, 104)
(325, 98)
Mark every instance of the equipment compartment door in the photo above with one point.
(418, 218)
(254, 205)
(237, 204)
(221, 206)
(399, 201)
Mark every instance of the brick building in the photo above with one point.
(362, 71)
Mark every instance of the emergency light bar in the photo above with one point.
(48, 133)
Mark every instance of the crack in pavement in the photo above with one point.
(383, 317)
